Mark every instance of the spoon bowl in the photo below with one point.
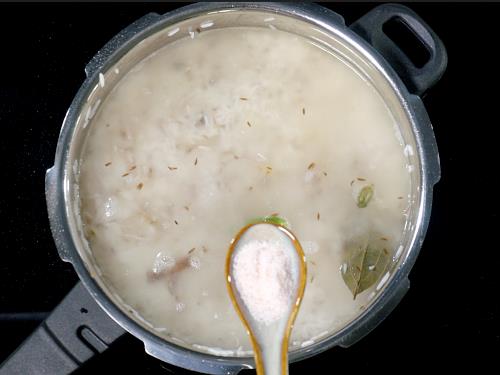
(266, 277)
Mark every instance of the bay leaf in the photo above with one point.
(365, 262)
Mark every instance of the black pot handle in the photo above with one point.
(417, 80)
(76, 330)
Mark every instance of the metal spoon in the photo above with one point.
(268, 321)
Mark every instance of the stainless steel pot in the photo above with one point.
(92, 315)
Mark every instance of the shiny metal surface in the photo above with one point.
(328, 31)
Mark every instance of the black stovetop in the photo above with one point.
(451, 313)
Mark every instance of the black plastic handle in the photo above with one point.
(76, 330)
(417, 80)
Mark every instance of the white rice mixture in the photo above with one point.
(218, 129)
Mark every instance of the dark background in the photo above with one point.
(449, 318)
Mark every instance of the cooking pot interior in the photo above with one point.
(334, 40)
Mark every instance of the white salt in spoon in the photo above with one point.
(266, 278)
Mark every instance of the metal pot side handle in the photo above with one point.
(417, 80)
(74, 332)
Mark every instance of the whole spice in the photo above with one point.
(364, 196)
(365, 262)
